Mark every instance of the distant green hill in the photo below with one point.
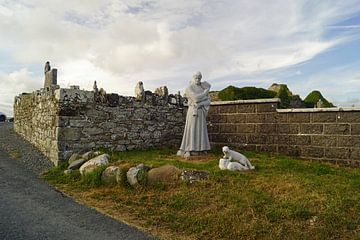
(313, 97)
(234, 93)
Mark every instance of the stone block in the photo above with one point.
(245, 128)
(236, 118)
(300, 140)
(286, 128)
(299, 118)
(255, 118)
(266, 128)
(349, 141)
(228, 109)
(93, 131)
(323, 117)
(337, 153)
(266, 107)
(267, 148)
(68, 134)
(227, 128)
(337, 129)
(324, 141)
(213, 128)
(355, 153)
(256, 139)
(236, 138)
(289, 150)
(213, 110)
(311, 128)
(276, 118)
(283, 139)
(355, 129)
(246, 108)
(349, 117)
(312, 152)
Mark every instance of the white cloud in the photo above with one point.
(163, 42)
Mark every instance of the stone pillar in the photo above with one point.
(50, 78)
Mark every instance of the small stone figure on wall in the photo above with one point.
(47, 67)
(195, 139)
(140, 92)
(233, 160)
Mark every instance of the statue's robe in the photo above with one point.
(195, 136)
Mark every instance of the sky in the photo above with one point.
(308, 45)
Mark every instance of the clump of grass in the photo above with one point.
(15, 154)
(283, 198)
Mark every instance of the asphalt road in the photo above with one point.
(31, 209)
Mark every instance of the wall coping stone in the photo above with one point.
(265, 100)
(309, 110)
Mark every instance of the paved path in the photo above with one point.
(31, 209)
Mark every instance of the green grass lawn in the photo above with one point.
(284, 198)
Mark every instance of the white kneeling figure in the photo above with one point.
(237, 157)
(225, 164)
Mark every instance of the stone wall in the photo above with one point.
(65, 121)
(322, 134)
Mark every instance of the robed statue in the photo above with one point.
(195, 139)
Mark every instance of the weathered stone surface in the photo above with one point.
(164, 174)
(325, 141)
(94, 163)
(111, 175)
(194, 176)
(255, 118)
(89, 155)
(245, 128)
(74, 157)
(299, 117)
(137, 175)
(288, 128)
(267, 128)
(337, 153)
(235, 118)
(76, 164)
(266, 107)
(311, 128)
(327, 117)
(337, 129)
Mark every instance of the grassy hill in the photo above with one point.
(313, 98)
(235, 93)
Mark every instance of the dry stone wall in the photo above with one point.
(322, 134)
(65, 121)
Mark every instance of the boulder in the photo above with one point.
(68, 171)
(76, 164)
(164, 174)
(88, 155)
(194, 176)
(94, 163)
(137, 175)
(74, 157)
(111, 175)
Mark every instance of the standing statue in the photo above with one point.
(47, 67)
(195, 139)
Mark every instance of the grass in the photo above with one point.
(15, 154)
(283, 198)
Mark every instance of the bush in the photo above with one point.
(233, 93)
(313, 97)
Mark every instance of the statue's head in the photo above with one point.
(197, 78)
(225, 149)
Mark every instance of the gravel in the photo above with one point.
(29, 156)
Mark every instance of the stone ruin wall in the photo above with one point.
(322, 134)
(64, 121)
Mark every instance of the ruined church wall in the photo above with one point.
(321, 134)
(72, 120)
(35, 119)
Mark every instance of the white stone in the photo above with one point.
(195, 137)
(236, 157)
(92, 164)
(111, 175)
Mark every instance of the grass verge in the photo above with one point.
(283, 198)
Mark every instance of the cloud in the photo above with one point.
(163, 42)
(13, 84)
